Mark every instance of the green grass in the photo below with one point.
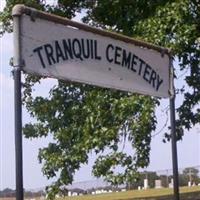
(164, 193)
(192, 193)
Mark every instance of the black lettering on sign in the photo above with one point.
(117, 54)
(59, 52)
(77, 49)
(38, 51)
(159, 82)
(146, 73)
(92, 49)
(86, 48)
(67, 49)
(153, 77)
(97, 57)
(109, 47)
(49, 54)
(141, 65)
(126, 59)
(133, 62)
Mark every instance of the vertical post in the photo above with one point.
(18, 134)
(174, 142)
(174, 149)
(17, 62)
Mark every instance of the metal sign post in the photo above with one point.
(174, 149)
(173, 135)
(17, 63)
(18, 134)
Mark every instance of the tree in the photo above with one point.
(173, 24)
(164, 180)
(84, 119)
(189, 174)
(139, 181)
(7, 192)
(192, 174)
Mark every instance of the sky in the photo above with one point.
(160, 158)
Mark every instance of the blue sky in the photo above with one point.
(188, 148)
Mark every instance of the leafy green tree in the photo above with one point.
(183, 179)
(192, 174)
(174, 24)
(164, 180)
(152, 176)
(189, 174)
(139, 181)
(84, 119)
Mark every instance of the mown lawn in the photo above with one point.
(192, 193)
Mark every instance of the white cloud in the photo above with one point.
(2, 4)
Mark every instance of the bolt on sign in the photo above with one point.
(57, 47)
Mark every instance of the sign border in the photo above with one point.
(21, 9)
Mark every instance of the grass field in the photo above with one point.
(192, 193)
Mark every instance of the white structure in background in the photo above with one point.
(146, 186)
(189, 184)
(100, 191)
(171, 184)
(69, 193)
(158, 184)
(75, 192)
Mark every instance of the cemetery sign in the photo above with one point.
(57, 47)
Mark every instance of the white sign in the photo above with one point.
(64, 52)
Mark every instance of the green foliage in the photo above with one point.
(6, 18)
(139, 180)
(84, 119)
(192, 175)
(176, 25)
(173, 24)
